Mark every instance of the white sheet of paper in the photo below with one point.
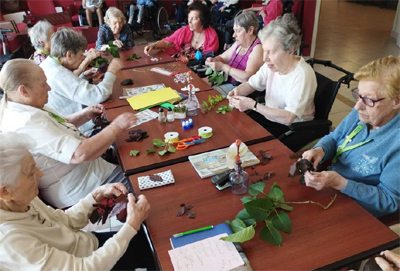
(209, 254)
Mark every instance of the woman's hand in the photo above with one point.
(118, 43)
(315, 156)
(149, 48)
(324, 179)
(138, 211)
(124, 121)
(214, 64)
(241, 103)
(93, 111)
(391, 263)
(91, 55)
(109, 190)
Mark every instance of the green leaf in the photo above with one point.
(158, 143)
(244, 235)
(259, 209)
(163, 152)
(246, 218)
(256, 188)
(276, 193)
(208, 71)
(171, 148)
(134, 153)
(284, 206)
(270, 234)
(150, 151)
(237, 225)
(282, 222)
(246, 199)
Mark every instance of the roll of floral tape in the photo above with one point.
(171, 137)
(205, 132)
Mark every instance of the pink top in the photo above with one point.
(183, 36)
(273, 9)
(240, 61)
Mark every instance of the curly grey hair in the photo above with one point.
(247, 19)
(286, 30)
(38, 34)
(113, 12)
(66, 39)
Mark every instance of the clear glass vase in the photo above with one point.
(239, 180)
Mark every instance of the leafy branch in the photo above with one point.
(211, 102)
(270, 209)
(166, 147)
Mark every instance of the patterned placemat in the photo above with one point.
(146, 183)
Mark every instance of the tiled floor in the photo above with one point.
(351, 35)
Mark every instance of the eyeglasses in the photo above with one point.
(367, 101)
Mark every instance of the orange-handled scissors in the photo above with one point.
(183, 144)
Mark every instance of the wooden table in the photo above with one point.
(144, 60)
(144, 77)
(320, 239)
(226, 129)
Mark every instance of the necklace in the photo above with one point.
(237, 53)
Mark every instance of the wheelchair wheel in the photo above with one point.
(162, 21)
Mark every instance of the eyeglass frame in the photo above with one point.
(366, 101)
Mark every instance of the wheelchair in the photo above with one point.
(156, 17)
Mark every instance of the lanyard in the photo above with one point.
(62, 121)
(344, 148)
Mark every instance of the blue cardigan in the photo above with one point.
(105, 35)
(372, 170)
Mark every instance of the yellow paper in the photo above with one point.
(153, 98)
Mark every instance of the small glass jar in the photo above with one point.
(239, 179)
(170, 115)
(161, 115)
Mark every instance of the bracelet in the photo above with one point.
(255, 106)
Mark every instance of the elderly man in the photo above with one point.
(71, 164)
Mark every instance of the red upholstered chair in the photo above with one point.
(41, 7)
(72, 7)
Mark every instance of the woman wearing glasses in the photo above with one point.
(365, 147)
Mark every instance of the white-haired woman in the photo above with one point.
(40, 35)
(289, 82)
(34, 236)
(115, 30)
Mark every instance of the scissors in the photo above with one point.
(183, 144)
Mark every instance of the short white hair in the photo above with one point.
(13, 149)
(39, 34)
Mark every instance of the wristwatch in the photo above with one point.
(255, 106)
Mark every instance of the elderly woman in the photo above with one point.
(90, 7)
(35, 236)
(197, 35)
(365, 147)
(40, 35)
(289, 82)
(244, 58)
(115, 30)
(71, 93)
(71, 164)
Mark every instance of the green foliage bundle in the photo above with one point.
(113, 49)
(211, 102)
(133, 57)
(216, 78)
(166, 147)
(98, 61)
(270, 209)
